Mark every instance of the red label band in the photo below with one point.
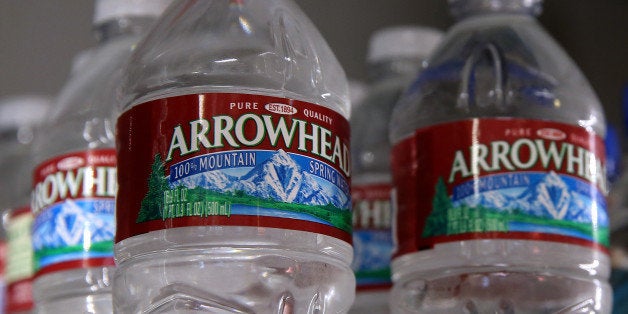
(19, 260)
(372, 239)
(500, 178)
(74, 208)
(233, 159)
(79, 175)
(20, 296)
(371, 207)
(76, 264)
(20, 211)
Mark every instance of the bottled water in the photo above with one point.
(498, 166)
(233, 153)
(19, 271)
(19, 117)
(75, 180)
(395, 56)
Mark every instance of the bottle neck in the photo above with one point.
(394, 68)
(123, 26)
(462, 9)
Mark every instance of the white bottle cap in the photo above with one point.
(403, 41)
(109, 9)
(17, 111)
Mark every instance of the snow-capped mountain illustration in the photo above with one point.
(212, 180)
(312, 193)
(549, 197)
(492, 199)
(279, 178)
(70, 226)
(372, 250)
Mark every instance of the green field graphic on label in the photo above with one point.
(165, 201)
(447, 219)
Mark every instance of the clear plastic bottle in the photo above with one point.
(395, 57)
(74, 184)
(17, 224)
(19, 117)
(242, 110)
(498, 169)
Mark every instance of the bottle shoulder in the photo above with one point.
(369, 128)
(82, 115)
(498, 66)
(92, 91)
(256, 46)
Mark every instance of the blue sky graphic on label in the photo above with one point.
(546, 195)
(73, 226)
(265, 174)
(372, 252)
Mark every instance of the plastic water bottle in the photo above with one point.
(233, 153)
(19, 263)
(395, 56)
(19, 117)
(74, 184)
(499, 174)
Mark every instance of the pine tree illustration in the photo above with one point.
(436, 223)
(152, 204)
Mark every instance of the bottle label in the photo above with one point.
(20, 270)
(500, 178)
(226, 159)
(372, 237)
(74, 208)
